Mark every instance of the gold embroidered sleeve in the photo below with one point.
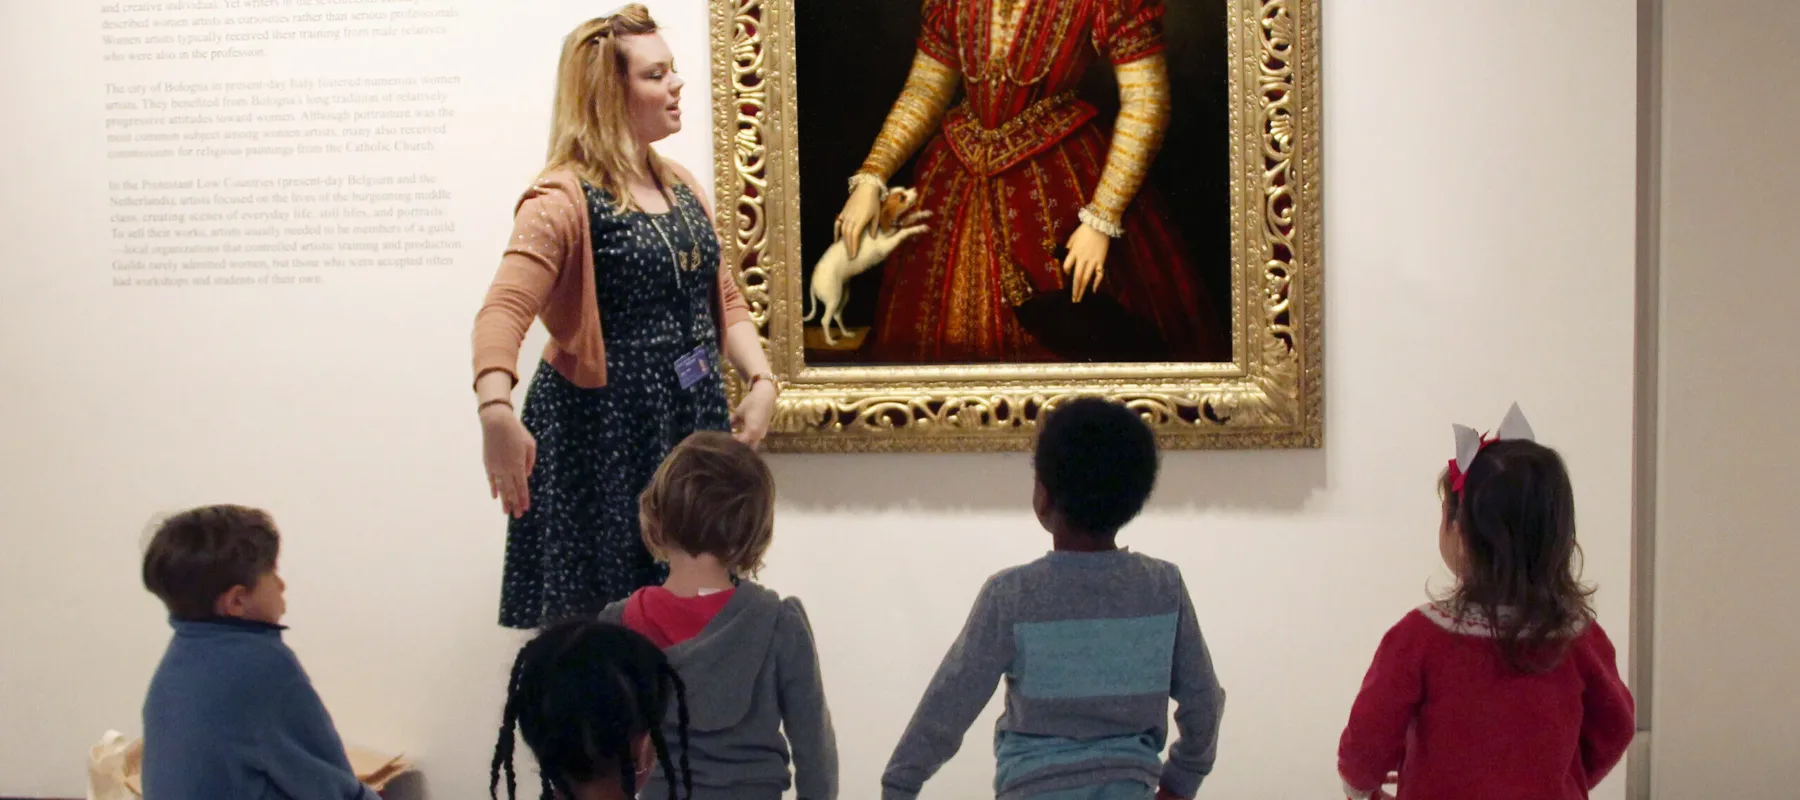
(929, 89)
(1137, 137)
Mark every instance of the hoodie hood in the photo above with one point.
(722, 664)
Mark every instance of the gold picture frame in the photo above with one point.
(1269, 395)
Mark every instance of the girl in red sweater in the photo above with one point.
(1507, 687)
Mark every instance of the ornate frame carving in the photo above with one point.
(1270, 395)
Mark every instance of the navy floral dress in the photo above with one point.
(578, 547)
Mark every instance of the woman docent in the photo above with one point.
(613, 249)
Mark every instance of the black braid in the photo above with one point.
(628, 769)
(661, 743)
(503, 749)
(681, 730)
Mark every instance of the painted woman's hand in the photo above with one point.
(1086, 261)
(858, 216)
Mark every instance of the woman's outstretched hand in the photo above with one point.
(509, 452)
(750, 422)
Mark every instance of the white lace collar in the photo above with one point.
(1467, 624)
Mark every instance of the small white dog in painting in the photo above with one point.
(897, 223)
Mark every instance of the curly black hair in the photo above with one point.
(1097, 461)
(581, 694)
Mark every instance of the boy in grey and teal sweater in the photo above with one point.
(1093, 642)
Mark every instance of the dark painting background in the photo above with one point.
(852, 58)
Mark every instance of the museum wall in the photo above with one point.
(1478, 250)
(1725, 641)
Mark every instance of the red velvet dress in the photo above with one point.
(1440, 706)
(1006, 177)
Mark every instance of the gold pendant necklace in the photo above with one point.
(684, 262)
(690, 260)
(680, 258)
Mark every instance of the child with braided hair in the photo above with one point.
(589, 699)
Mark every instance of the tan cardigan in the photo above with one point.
(548, 272)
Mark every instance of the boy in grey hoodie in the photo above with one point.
(745, 655)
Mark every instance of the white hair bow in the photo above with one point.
(1470, 441)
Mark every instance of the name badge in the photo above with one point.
(692, 367)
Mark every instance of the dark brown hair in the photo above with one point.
(200, 554)
(713, 495)
(1516, 517)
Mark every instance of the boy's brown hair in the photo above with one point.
(199, 554)
(713, 495)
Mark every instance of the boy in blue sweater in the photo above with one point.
(230, 713)
(1093, 641)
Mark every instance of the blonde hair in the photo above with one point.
(590, 123)
(712, 495)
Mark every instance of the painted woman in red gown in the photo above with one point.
(1021, 168)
